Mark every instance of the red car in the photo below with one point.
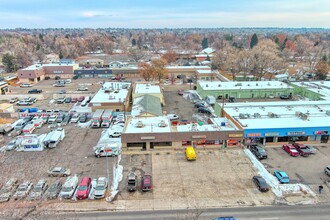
(146, 182)
(81, 98)
(291, 150)
(74, 100)
(303, 150)
(84, 188)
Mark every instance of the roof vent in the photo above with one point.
(219, 85)
(206, 85)
(139, 124)
(162, 124)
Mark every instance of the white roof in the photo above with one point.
(39, 66)
(321, 87)
(117, 94)
(243, 85)
(288, 114)
(219, 124)
(149, 125)
(208, 50)
(204, 71)
(141, 88)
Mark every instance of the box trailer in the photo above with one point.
(53, 138)
(31, 142)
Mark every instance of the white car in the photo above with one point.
(69, 187)
(11, 145)
(173, 117)
(7, 189)
(25, 85)
(100, 188)
(23, 190)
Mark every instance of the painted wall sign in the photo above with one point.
(296, 133)
(148, 138)
(254, 135)
(199, 136)
(272, 134)
(235, 135)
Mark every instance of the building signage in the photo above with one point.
(235, 135)
(271, 134)
(148, 138)
(58, 71)
(254, 135)
(296, 133)
(199, 136)
(320, 132)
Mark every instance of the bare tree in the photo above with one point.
(146, 71)
(159, 67)
(136, 54)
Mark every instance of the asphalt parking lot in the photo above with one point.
(307, 170)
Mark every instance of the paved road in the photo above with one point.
(315, 212)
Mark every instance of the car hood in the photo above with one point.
(18, 194)
(80, 193)
(35, 194)
(5, 195)
(99, 192)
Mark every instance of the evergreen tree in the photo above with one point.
(133, 42)
(208, 58)
(9, 62)
(324, 58)
(254, 40)
(60, 55)
(205, 43)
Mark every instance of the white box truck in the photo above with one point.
(106, 118)
(97, 117)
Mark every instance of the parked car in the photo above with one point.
(258, 151)
(327, 170)
(199, 105)
(146, 182)
(82, 88)
(38, 190)
(62, 91)
(131, 182)
(59, 85)
(180, 92)
(84, 188)
(67, 119)
(100, 188)
(74, 100)
(24, 103)
(59, 171)
(53, 190)
(23, 190)
(60, 100)
(291, 150)
(204, 110)
(68, 100)
(173, 117)
(302, 150)
(13, 100)
(52, 119)
(285, 97)
(11, 145)
(69, 187)
(45, 119)
(81, 98)
(7, 190)
(83, 118)
(35, 91)
(312, 149)
(75, 118)
(281, 176)
(25, 85)
(60, 118)
(260, 183)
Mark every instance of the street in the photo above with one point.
(315, 212)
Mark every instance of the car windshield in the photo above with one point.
(37, 189)
(53, 188)
(82, 188)
(67, 189)
(261, 150)
(22, 188)
(99, 187)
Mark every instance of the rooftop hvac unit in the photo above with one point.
(162, 124)
(256, 115)
(238, 84)
(219, 85)
(298, 113)
(206, 85)
(139, 124)
(327, 112)
(271, 115)
(257, 84)
(244, 116)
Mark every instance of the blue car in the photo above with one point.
(282, 176)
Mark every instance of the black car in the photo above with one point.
(35, 91)
(68, 100)
(83, 118)
(204, 110)
(260, 183)
(200, 104)
(60, 118)
(67, 119)
(258, 151)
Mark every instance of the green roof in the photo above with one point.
(151, 104)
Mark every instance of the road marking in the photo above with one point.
(268, 218)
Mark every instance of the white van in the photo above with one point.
(210, 100)
(69, 187)
(86, 101)
(116, 132)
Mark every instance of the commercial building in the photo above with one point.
(270, 122)
(37, 72)
(158, 132)
(141, 89)
(246, 90)
(146, 106)
(4, 88)
(112, 95)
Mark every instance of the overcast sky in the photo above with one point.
(163, 13)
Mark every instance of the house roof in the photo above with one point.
(147, 104)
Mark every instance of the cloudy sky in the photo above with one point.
(164, 13)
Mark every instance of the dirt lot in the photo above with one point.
(307, 170)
